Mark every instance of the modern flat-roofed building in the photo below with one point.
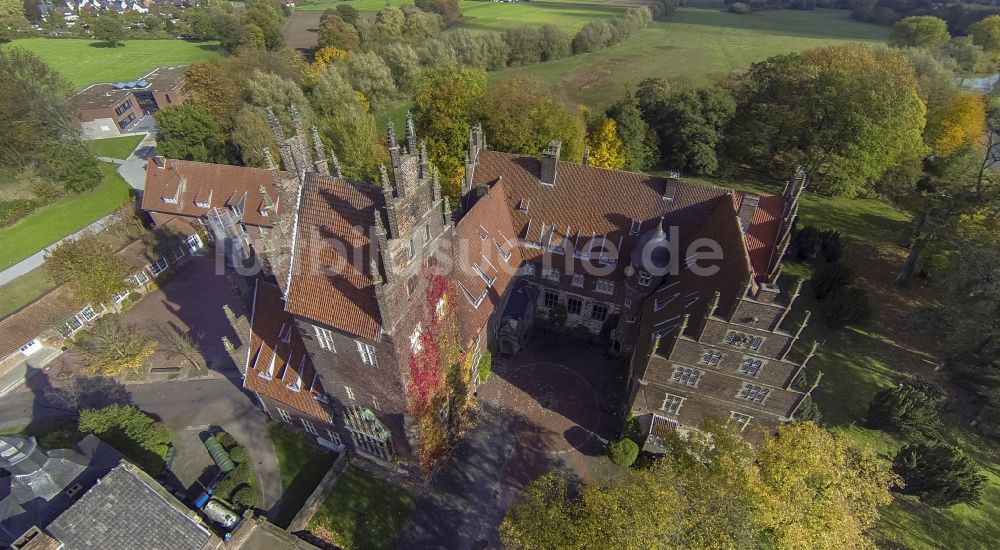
(112, 108)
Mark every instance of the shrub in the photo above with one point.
(810, 243)
(847, 305)
(939, 475)
(907, 410)
(239, 454)
(623, 452)
(11, 211)
(739, 7)
(244, 497)
(830, 246)
(828, 278)
(225, 440)
(485, 366)
(808, 411)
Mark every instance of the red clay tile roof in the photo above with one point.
(762, 236)
(484, 236)
(690, 293)
(587, 201)
(280, 369)
(45, 313)
(224, 184)
(331, 280)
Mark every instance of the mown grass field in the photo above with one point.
(23, 290)
(84, 62)
(363, 512)
(695, 45)
(302, 465)
(116, 148)
(857, 362)
(64, 217)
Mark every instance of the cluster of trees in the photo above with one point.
(937, 473)
(41, 152)
(132, 432)
(239, 486)
(959, 15)
(258, 25)
(599, 33)
(800, 488)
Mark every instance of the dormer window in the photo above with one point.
(634, 229)
(170, 200)
(262, 212)
(482, 273)
(523, 205)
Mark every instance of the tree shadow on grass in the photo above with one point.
(301, 487)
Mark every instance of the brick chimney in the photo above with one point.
(550, 162)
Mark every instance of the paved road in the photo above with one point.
(181, 404)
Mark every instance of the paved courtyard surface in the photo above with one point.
(551, 407)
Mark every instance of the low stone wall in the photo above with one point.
(301, 519)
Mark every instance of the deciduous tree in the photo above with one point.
(188, 132)
(605, 145)
(919, 31)
(638, 140)
(690, 124)
(957, 124)
(985, 33)
(109, 28)
(89, 267)
(112, 349)
(334, 31)
(369, 74)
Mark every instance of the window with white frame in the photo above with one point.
(574, 305)
(552, 274)
(120, 296)
(599, 312)
(634, 228)
(751, 365)
(753, 392)
(686, 376)
(411, 249)
(743, 340)
(333, 437)
(415, 344)
(159, 266)
(350, 392)
(644, 278)
(672, 403)
(140, 278)
(375, 404)
(194, 242)
(308, 426)
(529, 269)
(367, 353)
(324, 337)
(285, 417)
(177, 254)
(741, 420)
(551, 299)
(577, 280)
(605, 286)
(711, 357)
(630, 319)
(263, 230)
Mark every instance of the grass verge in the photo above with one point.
(302, 465)
(23, 290)
(363, 512)
(64, 217)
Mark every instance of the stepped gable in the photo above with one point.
(191, 188)
(486, 259)
(277, 364)
(332, 255)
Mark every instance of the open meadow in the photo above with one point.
(84, 62)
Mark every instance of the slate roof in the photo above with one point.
(291, 367)
(123, 512)
(37, 498)
(224, 183)
(332, 255)
(485, 235)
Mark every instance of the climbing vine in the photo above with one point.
(437, 392)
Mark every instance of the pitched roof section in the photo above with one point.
(614, 206)
(762, 235)
(332, 255)
(192, 188)
(278, 365)
(45, 313)
(691, 293)
(487, 256)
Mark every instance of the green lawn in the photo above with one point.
(302, 465)
(23, 290)
(695, 45)
(116, 148)
(857, 362)
(83, 62)
(363, 512)
(61, 218)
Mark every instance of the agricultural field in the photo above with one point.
(695, 45)
(84, 62)
(857, 362)
(65, 216)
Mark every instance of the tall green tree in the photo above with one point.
(907, 410)
(188, 132)
(690, 124)
(110, 28)
(347, 126)
(638, 140)
(985, 33)
(800, 489)
(334, 31)
(369, 74)
(444, 107)
(268, 16)
(939, 474)
(520, 116)
(89, 267)
(845, 114)
(919, 31)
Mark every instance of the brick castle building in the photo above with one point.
(681, 279)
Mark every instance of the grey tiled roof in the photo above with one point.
(122, 511)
